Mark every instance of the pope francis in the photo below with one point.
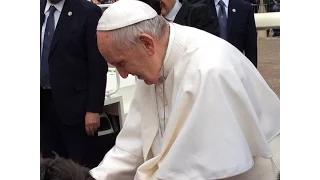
(201, 110)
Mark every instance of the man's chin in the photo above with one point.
(152, 81)
(148, 82)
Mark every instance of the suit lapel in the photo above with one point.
(213, 7)
(63, 22)
(42, 17)
(182, 14)
(231, 15)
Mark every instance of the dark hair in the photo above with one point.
(62, 169)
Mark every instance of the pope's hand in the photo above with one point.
(92, 122)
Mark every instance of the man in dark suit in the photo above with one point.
(72, 77)
(193, 15)
(237, 25)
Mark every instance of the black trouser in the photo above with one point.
(55, 136)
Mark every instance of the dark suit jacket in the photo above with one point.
(242, 32)
(251, 1)
(198, 16)
(77, 69)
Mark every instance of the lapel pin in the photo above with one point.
(233, 10)
(69, 13)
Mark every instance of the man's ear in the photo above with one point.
(148, 43)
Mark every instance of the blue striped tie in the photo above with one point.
(48, 35)
(222, 18)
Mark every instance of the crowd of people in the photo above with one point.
(201, 109)
(269, 5)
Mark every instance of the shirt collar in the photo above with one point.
(226, 2)
(58, 6)
(174, 11)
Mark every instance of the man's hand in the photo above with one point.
(92, 122)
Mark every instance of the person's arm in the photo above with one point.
(203, 18)
(97, 65)
(250, 44)
(122, 161)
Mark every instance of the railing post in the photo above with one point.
(262, 8)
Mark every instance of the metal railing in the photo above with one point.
(112, 71)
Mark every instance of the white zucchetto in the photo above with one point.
(125, 13)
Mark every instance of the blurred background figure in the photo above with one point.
(275, 7)
(194, 15)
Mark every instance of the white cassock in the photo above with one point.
(216, 112)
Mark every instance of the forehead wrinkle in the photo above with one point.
(117, 53)
(108, 48)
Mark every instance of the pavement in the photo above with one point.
(269, 62)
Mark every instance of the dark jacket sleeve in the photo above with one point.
(98, 67)
(202, 18)
(250, 44)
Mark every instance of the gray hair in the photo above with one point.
(128, 35)
(59, 168)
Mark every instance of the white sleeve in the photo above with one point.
(122, 161)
